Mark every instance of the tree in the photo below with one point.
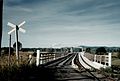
(88, 50)
(19, 46)
(118, 54)
(101, 51)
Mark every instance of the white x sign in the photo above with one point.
(16, 27)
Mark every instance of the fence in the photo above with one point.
(103, 59)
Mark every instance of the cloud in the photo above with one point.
(66, 21)
(13, 3)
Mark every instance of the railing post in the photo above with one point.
(71, 49)
(100, 59)
(94, 58)
(38, 58)
(30, 59)
(53, 56)
(41, 58)
(109, 59)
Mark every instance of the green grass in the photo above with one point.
(116, 62)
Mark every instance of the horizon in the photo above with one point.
(63, 23)
(69, 46)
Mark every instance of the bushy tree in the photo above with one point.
(118, 54)
(88, 50)
(101, 51)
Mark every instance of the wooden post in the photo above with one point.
(109, 60)
(53, 56)
(16, 38)
(16, 28)
(1, 13)
(41, 58)
(38, 58)
(94, 58)
(9, 50)
(100, 59)
(30, 59)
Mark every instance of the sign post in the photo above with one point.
(9, 50)
(16, 28)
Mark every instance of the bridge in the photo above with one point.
(74, 65)
(97, 62)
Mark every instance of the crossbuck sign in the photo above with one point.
(16, 28)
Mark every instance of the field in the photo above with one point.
(10, 61)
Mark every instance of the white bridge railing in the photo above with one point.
(98, 62)
(43, 57)
(103, 59)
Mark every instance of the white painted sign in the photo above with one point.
(16, 28)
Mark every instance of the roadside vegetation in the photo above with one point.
(10, 69)
(24, 71)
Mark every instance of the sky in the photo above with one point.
(51, 23)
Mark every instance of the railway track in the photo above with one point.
(92, 72)
(64, 71)
(79, 63)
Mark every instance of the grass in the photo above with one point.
(116, 62)
(23, 71)
(26, 73)
(23, 59)
(11, 71)
(8, 69)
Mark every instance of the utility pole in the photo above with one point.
(9, 50)
(1, 9)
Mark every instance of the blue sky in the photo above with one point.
(63, 22)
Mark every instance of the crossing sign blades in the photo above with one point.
(21, 24)
(15, 29)
(11, 31)
(15, 26)
(11, 25)
(22, 30)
